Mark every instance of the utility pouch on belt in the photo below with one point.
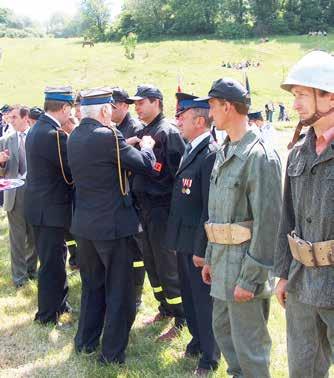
(311, 254)
(229, 233)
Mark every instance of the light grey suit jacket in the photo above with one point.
(11, 167)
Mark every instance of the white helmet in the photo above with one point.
(314, 70)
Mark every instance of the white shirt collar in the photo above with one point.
(53, 119)
(199, 140)
(25, 132)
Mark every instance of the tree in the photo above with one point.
(96, 17)
(264, 13)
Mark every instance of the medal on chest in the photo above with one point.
(186, 185)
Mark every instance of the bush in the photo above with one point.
(232, 30)
(129, 42)
(20, 33)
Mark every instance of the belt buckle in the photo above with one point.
(314, 257)
(330, 255)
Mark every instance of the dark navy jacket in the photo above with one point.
(101, 212)
(168, 149)
(130, 126)
(189, 205)
(48, 199)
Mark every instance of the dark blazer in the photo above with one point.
(189, 205)
(168, 149)
(48, 199)
(130, 126)
(101, 212)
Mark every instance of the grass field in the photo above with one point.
(27, 66)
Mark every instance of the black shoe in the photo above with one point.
(32, 275)
(104, 361)
(86, 351)
(18, 285)
(192, 353)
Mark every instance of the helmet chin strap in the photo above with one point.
(316, 115)
(309, 121)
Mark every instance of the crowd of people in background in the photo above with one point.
(270, 108)
(241, 65)
(321, 33)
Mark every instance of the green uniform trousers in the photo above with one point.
(310, 333)
(241, 332)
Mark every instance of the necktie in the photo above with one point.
(22, 155)
(187, 151)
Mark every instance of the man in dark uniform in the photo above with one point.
(129, 127)
(153, 195)
(186, 234)
(104, 223)
(48, 201)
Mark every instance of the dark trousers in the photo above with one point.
(136, 246)
(72, 248)
(107, 298)
(52, 281)
(161, 263)
(197, 304)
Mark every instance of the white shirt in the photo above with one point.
(198, 140)
(53, 119)
(268, 134)
(24, 176)
(220, 135)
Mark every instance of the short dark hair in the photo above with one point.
(161, 104)
(239, 107)
(54, 105)
(23, 110)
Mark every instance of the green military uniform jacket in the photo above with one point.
(245, 186)
(308, 209)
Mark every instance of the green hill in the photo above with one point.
(28, 65)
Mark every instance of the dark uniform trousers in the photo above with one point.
(107, 296)
(197, 304)
(129, 127)
(160, 262)
(136, 246)
(71, 245)
(52, 281)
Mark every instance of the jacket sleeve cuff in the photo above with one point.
(247, 285)
(253, 273)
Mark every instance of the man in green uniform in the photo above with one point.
(304, 259)
(244, 207)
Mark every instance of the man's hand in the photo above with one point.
(133, 141)
(147, 141)
(242, 295)
(4, 156)
(280, 291)
(198, 261)
(206, 274)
